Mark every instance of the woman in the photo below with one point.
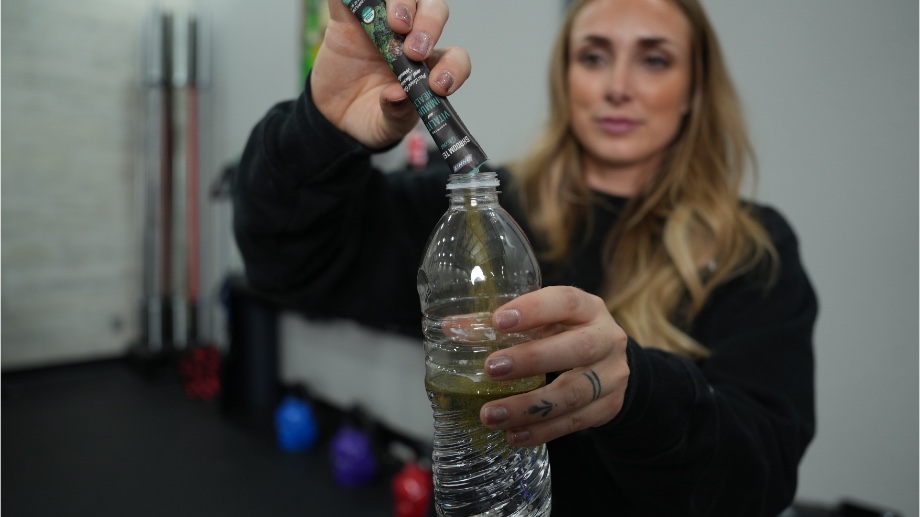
(689, 305)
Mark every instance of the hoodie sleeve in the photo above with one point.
(316, 224)
(723, 436)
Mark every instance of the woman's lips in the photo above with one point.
(617, 125)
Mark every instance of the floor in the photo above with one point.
(107, 439)
(111, 439)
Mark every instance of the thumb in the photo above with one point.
(399, 115)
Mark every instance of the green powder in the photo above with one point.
(464, 398)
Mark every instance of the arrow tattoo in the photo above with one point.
(544, 409)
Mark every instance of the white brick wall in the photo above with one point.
(71, 134)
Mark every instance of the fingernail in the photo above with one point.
(498, 366)
(397, 103)
(445, 80)
(402, 13)
(495, 415)
(507, 319)
(517, 437)
(420, 42)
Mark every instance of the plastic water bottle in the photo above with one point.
(477, 259)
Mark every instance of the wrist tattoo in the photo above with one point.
(595, 384)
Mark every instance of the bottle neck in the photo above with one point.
(471, 191)
(474, 198)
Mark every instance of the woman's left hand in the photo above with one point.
(578, 337)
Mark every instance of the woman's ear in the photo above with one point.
(688, 101)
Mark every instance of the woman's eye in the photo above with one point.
(591, 59)
(656, 62)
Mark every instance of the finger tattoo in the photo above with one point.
(545, 407)
(595, 384)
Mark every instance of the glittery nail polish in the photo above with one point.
(445, 80)
(495, 415)
(507, 319)
(420, 42)
(519, 436)
(402, 13)
(498, 366)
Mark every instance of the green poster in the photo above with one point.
(315, 18)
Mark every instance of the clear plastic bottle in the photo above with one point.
(476, 260)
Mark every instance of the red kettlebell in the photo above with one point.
(412, 488)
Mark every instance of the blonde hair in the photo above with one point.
(687, 231)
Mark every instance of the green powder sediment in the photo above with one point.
(454, 393)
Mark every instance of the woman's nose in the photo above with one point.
(618, 89)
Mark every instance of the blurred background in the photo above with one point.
(120, 120)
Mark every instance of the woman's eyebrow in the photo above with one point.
(643, 42)
(653, 41)
(596, 40)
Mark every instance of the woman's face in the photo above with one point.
(629, 81)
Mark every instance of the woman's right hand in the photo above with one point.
(355, 89)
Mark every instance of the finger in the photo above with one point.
(539, 433)
(399, 115)
(468, 328)
(569, 393)
(550, 305)
(578, 347)
(573, 402)
(450, 68)
(400, 16)
(339, 11)
(427, 24)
